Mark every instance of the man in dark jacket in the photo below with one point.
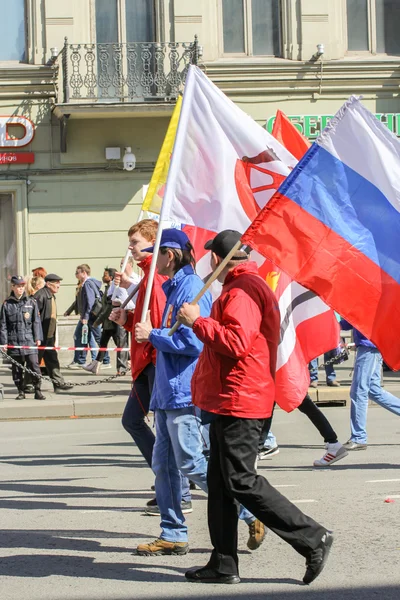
(240, 349)
(90, 296)
(46, 302)
(111, 330)
(20, 326)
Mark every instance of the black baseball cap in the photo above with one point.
(223, 243)
(52, 277)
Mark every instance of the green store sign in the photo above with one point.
(312, 125)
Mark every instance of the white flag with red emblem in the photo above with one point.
(224, 169)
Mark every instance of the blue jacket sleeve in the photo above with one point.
(183, 341)
(88, 298)
(345, 325)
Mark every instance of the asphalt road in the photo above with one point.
(71, 498)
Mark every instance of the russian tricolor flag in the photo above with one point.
(334, 225)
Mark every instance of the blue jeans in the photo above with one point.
(270, 442)
(367, 383)
(134, 420)
(94, 336)
(178, 449)
(329, 369)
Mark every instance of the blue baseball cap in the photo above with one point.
(172, 238)
(17, 280)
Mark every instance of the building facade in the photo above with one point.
(81, 77)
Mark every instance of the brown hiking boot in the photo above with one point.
(256, 535)
(162, 547)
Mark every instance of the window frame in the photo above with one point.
(248, 37)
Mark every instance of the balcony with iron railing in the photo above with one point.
(152, 72)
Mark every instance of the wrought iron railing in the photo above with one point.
(129, 72)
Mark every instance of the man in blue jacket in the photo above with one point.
(178, 445)
(366, 383)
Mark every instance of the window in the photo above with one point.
(13, 38)
(251, 27)
(125, 21)
(373, 25)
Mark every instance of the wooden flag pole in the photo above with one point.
(211, 280)
(131, 295)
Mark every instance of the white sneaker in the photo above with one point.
(103, 366)
(334, 452)
(92, 367)
(74, 365)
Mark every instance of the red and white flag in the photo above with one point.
(224, 169)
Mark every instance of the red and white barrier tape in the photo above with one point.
(73, 348)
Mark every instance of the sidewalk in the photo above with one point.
(101, 399)
(108, 399)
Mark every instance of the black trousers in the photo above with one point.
(232, 479)
(136, 410)
(32, 363)
(120, 337)
(50, 358)
(317, 418)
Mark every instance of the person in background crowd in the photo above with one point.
(110, 330)
(79, 355)
(46, 302)
(329, 370)
(39, 272)
(20, 326)
(366, 384)
(33, 284)
(143, 355)
(87, 295)
(239, 358)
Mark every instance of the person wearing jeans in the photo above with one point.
(330, 372)
(178, 448)
(143, 355)
(366, 384)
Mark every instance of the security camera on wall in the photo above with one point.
(129, 160)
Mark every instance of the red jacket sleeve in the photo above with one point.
(234, 336)
(129, 321)
(157, 302)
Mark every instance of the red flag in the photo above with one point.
(289, 136)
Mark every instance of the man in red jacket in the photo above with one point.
(143, 356)
(240, 347)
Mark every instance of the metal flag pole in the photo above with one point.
(116, 287)
(211, 279)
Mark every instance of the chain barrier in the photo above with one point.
(53, 381)
(337, 359)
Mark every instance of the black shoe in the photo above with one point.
(192, 485)
(317, 559)
(63, 387)
(29, 389)
(208, 575)
(39, 395)
(152, 502)
(152, 510)
(21, 396)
